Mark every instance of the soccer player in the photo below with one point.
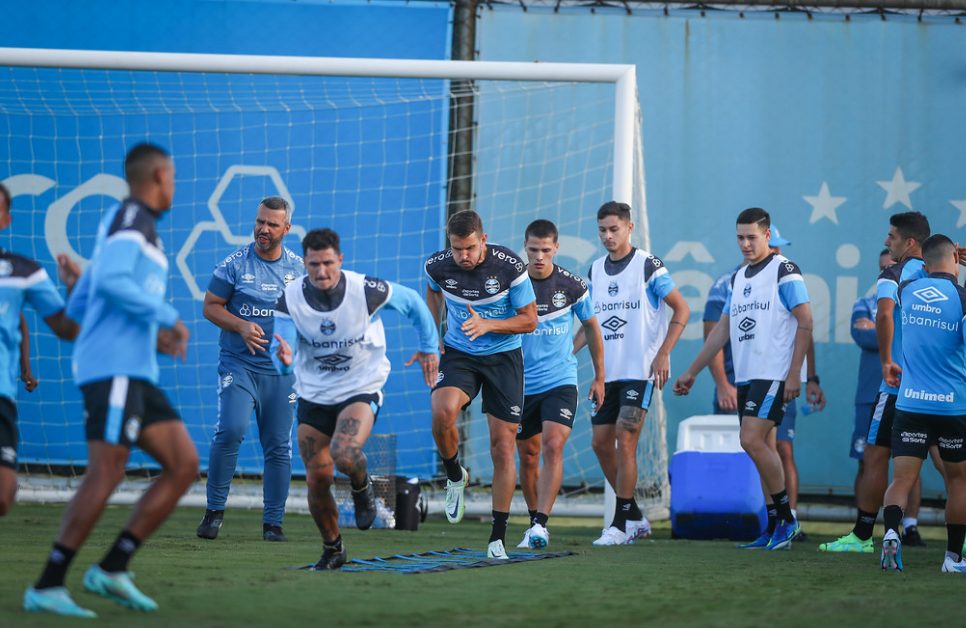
(489, 303)
(907, 232)
(21, 281)
(240, 300)
(328, 331)
(120, 303)
(550, 375)
(930, 407)
(769, 323)
(634, 291)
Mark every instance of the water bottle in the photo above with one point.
(807, 409)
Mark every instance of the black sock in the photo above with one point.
(892, 517)
(336, 544)
(454, 472)
(634, 514)
(498, 532)
(955, 536)
(121, 552)
(533, 515)
(56, 569)
(621, 512)
(782, 506)
(541, 519)
(772, 518)
(864, 523)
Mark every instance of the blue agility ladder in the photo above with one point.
(436, 561)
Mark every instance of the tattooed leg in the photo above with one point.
(319, 475)
(629, 423)
(352, 428)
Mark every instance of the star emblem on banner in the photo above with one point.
(824, 205)
(898, 190)
(961, 206)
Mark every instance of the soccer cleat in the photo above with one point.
(454, 498)
(211, 524)
(760, 543)
(911, 538)
(951, 565)
(118, 587)
(539, 536)
(611, 536)
(891, 552)
(332, 558)
(785, 531)
(364, 501)
(525, 543)
(848, 543)
(495, 550)
(640, 529)
(273, 532)
(55, 600)
(801, 537)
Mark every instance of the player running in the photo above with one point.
(550, 376)
(328, 331)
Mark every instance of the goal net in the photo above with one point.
(360, 146)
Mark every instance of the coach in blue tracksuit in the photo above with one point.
(240, 299)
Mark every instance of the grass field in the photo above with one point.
(240, 580)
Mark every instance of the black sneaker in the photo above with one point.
(210, 524)
(332, 558)
(801, 537)
(272, 532)
(365, 503)
(911, 538)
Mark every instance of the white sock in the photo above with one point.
(795, 513)
(908, 522)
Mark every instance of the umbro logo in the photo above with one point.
(451, 283)
(930, 294)
(336, 359)
(515, 410)
(292, 397)
(613, 323)
(248, 278)
(566, 413)
(8, 454)
(750, 406)
(632, 394)
(747, 324)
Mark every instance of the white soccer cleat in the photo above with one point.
(525, 543)
(640, 529)
(611, 536)
(539, 536)
(496, 550)
(951, 565)
(454, 498)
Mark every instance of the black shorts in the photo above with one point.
(557, 404)
(500, 375)
(116, 410)
(8, 433)
(913, 433)
(880, 427)
(323, 417)
(763, 399)
(633, 393)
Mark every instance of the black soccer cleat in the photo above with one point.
(911, 538)
(272, 532)
(332, 558)
(211, 524)
(364, 500)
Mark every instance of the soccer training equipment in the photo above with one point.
(525, 543)
(54, 600)
(365, 503)
(951, 565)
(118, 587)
(611, 536)
(891, 552)
(539, 537)
(760, 543)
(639, 529)
(455, 504)
(496, 550)
(271, 532)
(848, 543)
(211, 524)
(785, 531)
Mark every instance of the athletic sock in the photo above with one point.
(454, 472)
(782, 507)
(634, 514)
(56, 569)
(909, 522)
(864, 523)
(541, 518)
(498, 531)
(621, 510)
(533, 516)
(892, 516)
(772, 518)
(120, 553)
(955, 537)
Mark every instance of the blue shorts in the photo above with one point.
(241, 391)
(860, 431)
(786, 431)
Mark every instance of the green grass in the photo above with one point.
(241, 580)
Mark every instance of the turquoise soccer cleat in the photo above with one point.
(760, 543)
(55, 600)
(891, 552)
(118, 587)
(785, 531)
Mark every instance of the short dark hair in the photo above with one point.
(141, 160)
(911, 225)
(464, 223)
(276, 203)
(321, 239)
(614, 208)
(936, 247)
(541, 228)
(754, 216)
(5, 193)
